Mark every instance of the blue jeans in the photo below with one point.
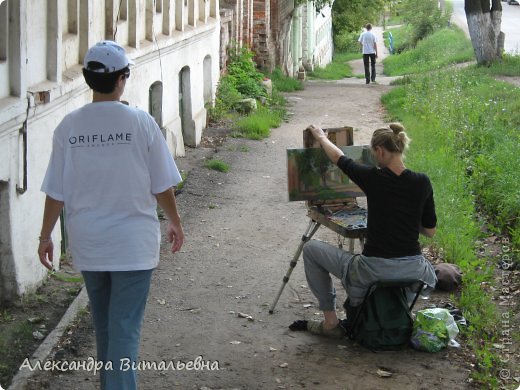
(117, 300)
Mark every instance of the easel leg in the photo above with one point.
(309, 232)
(351, 245)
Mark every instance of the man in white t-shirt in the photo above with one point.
(367, 41)
(109, 168)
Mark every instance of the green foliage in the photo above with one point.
(433, 152)
(5, 316)
(346, 41)
(217, 165)
(337, 69)
(226, 98)
(425, 17)
(283, 83)
(444, 47)
(258, 125)
(65, 278)
(180, 186)
(402, 37)
(464, 125)
(352, 15)
(508, 65)
(243, 75)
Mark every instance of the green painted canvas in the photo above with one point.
(312, 176)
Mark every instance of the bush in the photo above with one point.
(243, 75)
(346, 42)
(425, 17)
(226, 97)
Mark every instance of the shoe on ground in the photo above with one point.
(316, 328)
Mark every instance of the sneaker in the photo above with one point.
(316, 328)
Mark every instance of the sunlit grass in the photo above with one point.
(337, 69)
(445, 47)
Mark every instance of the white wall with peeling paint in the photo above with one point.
(41, 81)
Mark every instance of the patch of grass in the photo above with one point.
(238, 148)
(394, 20)
(258, 125)
(509, 65)
(180, 186)
(48, 303)
(444, 47)
(65, 278)
(5, 316)
(464, 125)
(402, 38)
(337, 69)
(432, 152)
(284, 83)
(13, 346)
(217, 165)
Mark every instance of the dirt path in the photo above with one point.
(241, 233)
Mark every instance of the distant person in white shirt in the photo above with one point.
(109, 168)
(367, 41)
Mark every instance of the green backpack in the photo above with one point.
(383, 321)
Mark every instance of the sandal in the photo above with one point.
(316, 327)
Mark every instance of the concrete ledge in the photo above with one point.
(80, 302)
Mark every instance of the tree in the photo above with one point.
(352, 15)
(484, 20)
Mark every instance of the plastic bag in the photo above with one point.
(433, 329)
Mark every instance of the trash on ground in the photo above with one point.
(433, 329)
(383, 373)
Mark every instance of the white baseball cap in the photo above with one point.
(108, 53)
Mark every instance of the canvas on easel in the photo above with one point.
(314, 178)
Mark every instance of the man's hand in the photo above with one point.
(45, 252)
(175, 235)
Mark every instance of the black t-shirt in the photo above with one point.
(397, 207)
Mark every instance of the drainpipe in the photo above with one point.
(22, 136)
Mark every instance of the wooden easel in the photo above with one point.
(343, 215)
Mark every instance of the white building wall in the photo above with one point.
(42, 102)
(324, 46)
